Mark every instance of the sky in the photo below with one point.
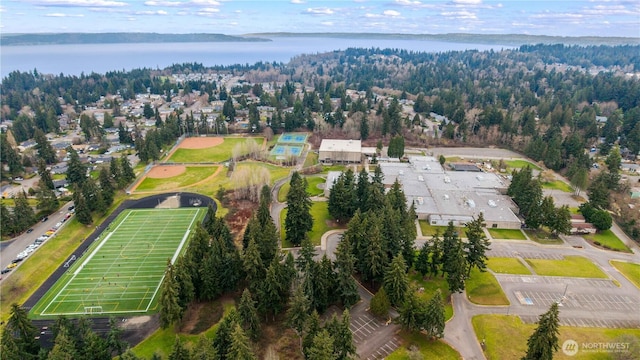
(233, 17)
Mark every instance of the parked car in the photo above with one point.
(45, 218)
(12, 265)
(4, 271)
(30, 230)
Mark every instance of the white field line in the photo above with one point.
(175, 256)
(92, 253)
(76, 272)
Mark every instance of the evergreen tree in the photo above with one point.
(115, 172)
(272, 290)
(253, 267)
(412, 312)
(342, 198)
(170, 310)
(114, 340)
(456, 269)
(344, 348)
(44, 148)
(127, 173)
(477, 245)
(47, 200)
(203, 349)
(249, 315)
(186, 289)
(322, 347)
(422, 261)
(543, 343)
(396, 281)
(76, 171)
(64, 347)
(240, 348)
(93, 196)
(376, 258)
(20, 334)
(364, 128)
(23, 215)
(179, 351)
(312, 328)
(380, 303)
(223, 339)
(106, 187)
(362, 189)
(434, 320)
(46, 181)
(436, 254)
(298, 220)
(298, 313)
(83, 213)
(347, 287)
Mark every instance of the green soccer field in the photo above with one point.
(122, 271)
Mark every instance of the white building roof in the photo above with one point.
(347, 146)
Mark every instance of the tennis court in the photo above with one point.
(293, 138)
(122, 271)
(286, 150)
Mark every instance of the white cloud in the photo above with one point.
(163, 3)
(319, 11)
(131, 18)
(151, 12)
(2, 9)
(63, 15)
(80, 3)
(391, 13)
(372, 16)
(460, 14)
(467, 2)
(327, 23)
(408, 3)
(298, 1)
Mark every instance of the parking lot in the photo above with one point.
(582, 301)
(524, 255)
(529, 279)
(587, 322)
(363, 326)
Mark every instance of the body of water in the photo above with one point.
(100, 58)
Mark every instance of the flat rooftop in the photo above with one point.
(334, 145)
(435, 191)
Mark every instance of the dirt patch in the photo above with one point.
(200, 142)
(166, 171)
(139, 328)
(240, 212)
(200, 316)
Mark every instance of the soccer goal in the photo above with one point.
(93, 310)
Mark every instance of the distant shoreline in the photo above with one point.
(129, 38)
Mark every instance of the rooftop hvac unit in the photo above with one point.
(492, 204)
(471, 203)
(446, 196)
(447, 179)
(420, 178)
(427, 167)
(401, 172)
(420, 200)
(479, 177)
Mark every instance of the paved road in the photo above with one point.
(15, 246)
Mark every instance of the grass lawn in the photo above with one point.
(630, 270)
(312, 188)
(162, 340)
(543, 237)
(320, 213)
(218, 153)
(506, 337)
(557, 185)
(312, 159)
(510, 234)
(507, 266)
(26, 279)
(327, 168)
(519, 164)
(483, 289)
(608, 240)
(430, 230)
(429, 349)
(10, 202)
(430, 285)
(190, 176)
(573, 266)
